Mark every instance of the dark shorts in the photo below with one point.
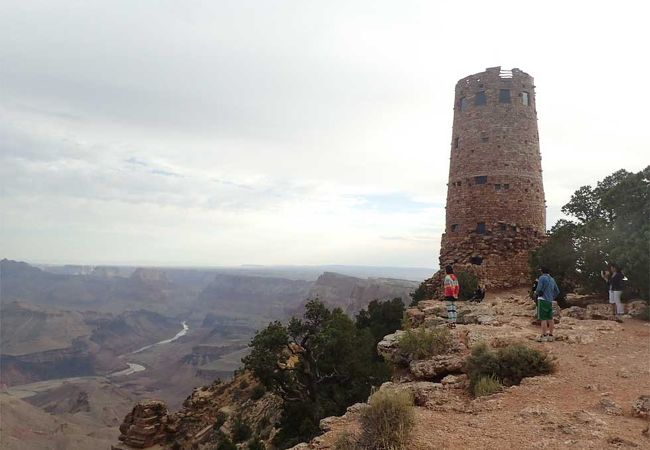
(544, 310)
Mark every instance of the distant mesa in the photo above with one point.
(352, 294)
(106, 272)
(149, 275)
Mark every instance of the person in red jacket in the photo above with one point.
(452, 289)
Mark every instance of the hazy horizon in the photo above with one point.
(286, 133)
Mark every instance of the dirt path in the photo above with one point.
(559, 411)
(601, 364)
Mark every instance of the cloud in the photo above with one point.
(218, 132)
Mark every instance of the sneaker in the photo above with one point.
(542, 338)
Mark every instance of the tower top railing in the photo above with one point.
(505, 73)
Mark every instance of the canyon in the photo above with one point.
(81, 344)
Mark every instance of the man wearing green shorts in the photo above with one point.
(546, 292)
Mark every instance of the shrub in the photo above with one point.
(347, 441)
(226, 444)
(517, 362)
(243, 384)
(387, 421)
(220, 419)
(240, 430)
(481, 363)
(487, 386)
(256, 444)
(509, 365)
(468, 282)
(421, 343)
(258, 392)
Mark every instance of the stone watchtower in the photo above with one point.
(496, 210)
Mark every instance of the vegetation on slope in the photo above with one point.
(321, 363)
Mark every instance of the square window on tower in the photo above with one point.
(480, 179)
(463, 103)
(480, 99)
(504, 95)
(480, 227)
(454, 227)
(456, 142)
(525, 99)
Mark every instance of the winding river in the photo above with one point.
(30, 389)
(134, 367)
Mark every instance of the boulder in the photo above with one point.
(600, 311)
(388, 348)
(610, 407)
(434, 321)
(575, 312)
(641, 407)
(437, 366)
(455, 381)
(636, 308)
(328, 423)
(415, 317)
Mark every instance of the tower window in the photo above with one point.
(497, 187)
(480, 99)
(480, 180)
(503, 227)
(485, 138)
(506, 186)
(454, 228)
(456, 142)
(504, 95)
(480, 227)
(463, 103)
(525, 100)
(476, 260)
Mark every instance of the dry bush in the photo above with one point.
(347, 441)
(388, 421)
(421, 343)
(509, 365)
(487, 385)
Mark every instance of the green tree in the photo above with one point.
(381, 318)
(419, 294)
(559, 254)
(610, 223)
(318, 365)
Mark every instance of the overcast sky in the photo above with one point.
(287, 132)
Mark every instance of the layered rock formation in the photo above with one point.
(353, 294)
(207, 412)
(145, 426)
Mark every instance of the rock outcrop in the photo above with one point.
(207, 412)
(145, 426)
(352, 294)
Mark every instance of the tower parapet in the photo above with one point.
(496, 211)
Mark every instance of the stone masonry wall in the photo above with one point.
(496, 211)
